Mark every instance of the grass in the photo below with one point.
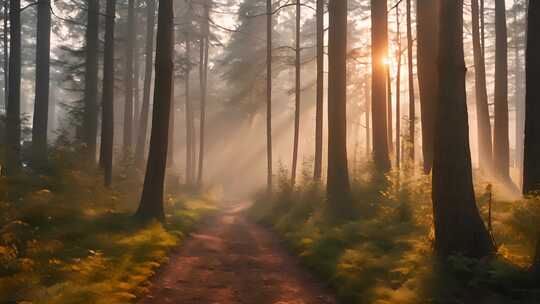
(383, 252)
(64, 238)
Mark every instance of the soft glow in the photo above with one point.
(386, 61)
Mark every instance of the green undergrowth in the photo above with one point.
(64, 238)
(383, 252)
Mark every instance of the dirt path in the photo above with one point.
(234, 261)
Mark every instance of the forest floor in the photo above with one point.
(232, 260)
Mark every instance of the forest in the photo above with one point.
(270, 151)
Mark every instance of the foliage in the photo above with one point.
(64, 238)
(384, 253)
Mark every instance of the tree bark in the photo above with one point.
(338, 187)
(151, 205)
(145, 108)
(128, 79)
(269, 95)
(378, 88)
(519, 98)
(189, 119)
(41, 104)
(367, 96)
(172, 116)
(319, 112)
(412, 109)
(296, 95)
(13, 115)
(483, 122)
(458, 226)
(531, 163)
(427, 58)
(398, 92)
(203, 74)
(90, 117)
(501, 149)
(389, 120)
(107, 120)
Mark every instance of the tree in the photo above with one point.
(296, 94)
(398, 91)
(269, 94)
(41, 104)
(482, 108)
(151, 205)
(128, 78)
(107, 120)
(458, 226)
(90, 116)
(319, 112)
(412, 110)
(13, 119)
(531, 163)
(501, 148)
(190, 136)
(427, 30)
(338, 187)
(378, 88)
(203, 74)
(145, 107)
(6, 52)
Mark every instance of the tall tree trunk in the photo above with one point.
(398, 92)
(145, 108)
(107, 120)
(367, 96)
(427, 30)
(269, 95)
(171, 148)
(531, 164)
(13, 115)
(41, 104)
(90, 117)
(482, 108)
(128, 78)
(189, 119)
(338, 187)
(136, 78)
(389, 120)
(483, 27)
(204, 91)
(519, 98)
(412, 110)
(458, 226)
(319, 115)
(151, 205)
(378, 88)
(296, 95)
(501, 153)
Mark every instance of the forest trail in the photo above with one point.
(231, 260)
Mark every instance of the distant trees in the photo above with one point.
(151, 205)
(427, 16)
(90, 116)
(41, 104)
(140, 147)
(128, 78)
(107, 116)
(338, 187)
(13, 113)
(379, 52)
(501, 143)
(203, 76)
(485, 155)
(458, 226)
